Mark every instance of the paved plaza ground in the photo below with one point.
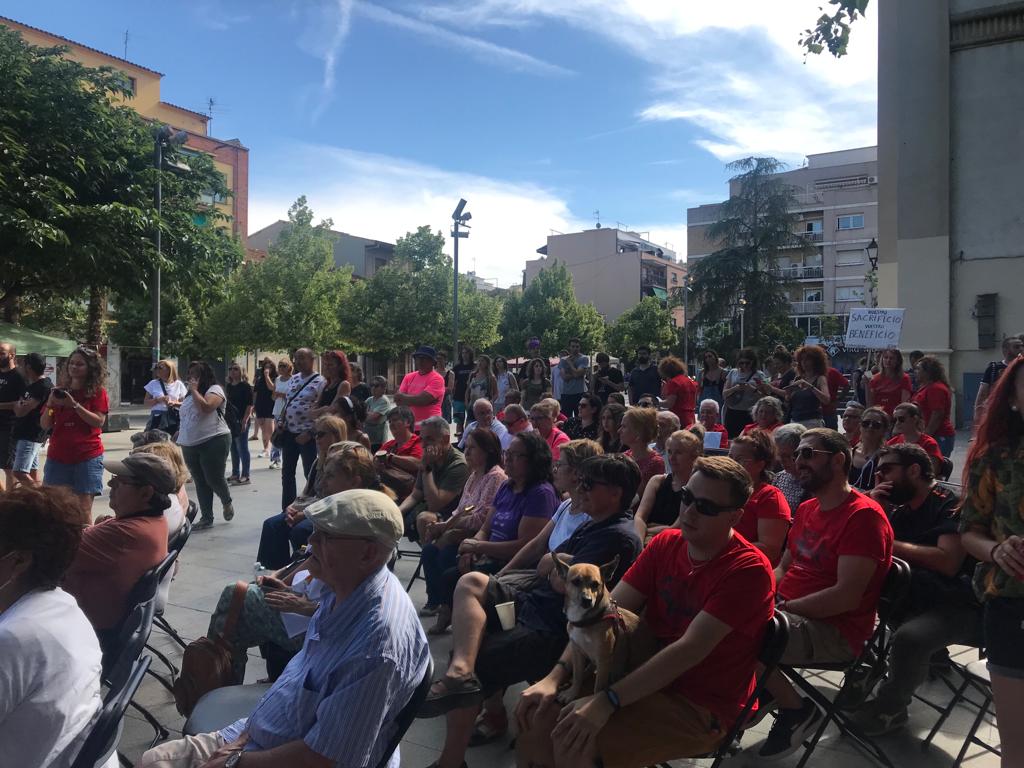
(225, 553)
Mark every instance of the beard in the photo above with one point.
(812, 480)
(901, 493)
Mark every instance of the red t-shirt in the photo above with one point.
(753, 425)
(413, 447)
(654, 465)
(836, 383)
(925, 441)
(886, 393)
(685, 390)
(736, 587)
(556, 440)
(720, 428)
(766, 503)
(415, 382)
(936, 397)
(857, 527)
(72, 439)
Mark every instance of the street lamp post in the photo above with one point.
(872, 249)
(460, 216)
(743, 312)
(163, 136)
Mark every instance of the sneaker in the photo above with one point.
(229, 511)
(858, 685)
(766, 704)
(789, 731)
(202, 524)
(244, 481)
(232, 480)
(261, 455)
(873, 720)
(275, 465)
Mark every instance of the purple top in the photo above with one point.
(510, 507)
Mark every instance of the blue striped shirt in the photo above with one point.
(359, 665)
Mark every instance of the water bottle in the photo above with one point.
(257, 570)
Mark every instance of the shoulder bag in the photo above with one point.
(170, 419)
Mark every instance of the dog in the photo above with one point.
(610, 637)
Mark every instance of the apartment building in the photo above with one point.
(612, 269)
(364, 255)
(836, 197)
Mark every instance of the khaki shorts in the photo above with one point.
(814, 641)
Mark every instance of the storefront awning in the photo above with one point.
(26, 340)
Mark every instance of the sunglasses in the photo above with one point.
(808, 453)
(588, 483)
(705, 507)
(870, 424)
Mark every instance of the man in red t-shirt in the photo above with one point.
(830, 578)
(423, 389)
(708, 598)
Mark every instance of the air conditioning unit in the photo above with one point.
(872, 179)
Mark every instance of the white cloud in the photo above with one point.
(382, 197)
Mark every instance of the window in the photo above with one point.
(853, 221)
(812, 227)
(850, 258)
(812, 294)
(850, 293)
(211, 198)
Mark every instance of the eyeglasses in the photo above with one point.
(872, 424)
(807, 454)
(588, 483)
(705, 507)
(539, 417)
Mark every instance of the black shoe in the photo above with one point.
(202, 525)
(789, 731)
(766, 704)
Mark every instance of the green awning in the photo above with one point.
(659, 293)
(26, 340)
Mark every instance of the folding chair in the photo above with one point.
(164, 589)
(776, 637)
(106, 730)
(975, 676)
(873, 656)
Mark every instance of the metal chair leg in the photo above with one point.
(161, 733)
(171, 667)
(161, 623)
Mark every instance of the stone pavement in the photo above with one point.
(225, 553)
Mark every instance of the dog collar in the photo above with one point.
(611, 614)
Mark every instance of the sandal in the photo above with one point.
(448, 693)
(488, 728)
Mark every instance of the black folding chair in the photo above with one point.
(106, 731)
(976, 677)
(159, 620)
(872, 658)
(408, 713)
(776, 637)
(192, 511)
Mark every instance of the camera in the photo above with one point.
(60, 394)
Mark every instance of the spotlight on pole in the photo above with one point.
(459, 218)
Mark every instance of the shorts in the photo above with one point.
(458, 407)
(25, 456)
(6, 448)
(812, 641)
(1004, 636)
(82, 477)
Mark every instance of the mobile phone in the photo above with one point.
(60, 394)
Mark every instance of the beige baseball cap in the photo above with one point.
(146, 469)
(359, 512)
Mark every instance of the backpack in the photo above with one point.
(206, 663)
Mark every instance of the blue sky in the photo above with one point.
(539, 112)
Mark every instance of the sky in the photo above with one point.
(541, 113)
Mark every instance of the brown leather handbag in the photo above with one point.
(206, 663)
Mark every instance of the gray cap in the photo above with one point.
(359, 512)
(147, 469)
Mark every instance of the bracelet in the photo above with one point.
(564, 665)
(992, 552)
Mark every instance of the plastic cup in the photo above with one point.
(506, 615)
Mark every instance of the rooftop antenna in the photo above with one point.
(597, 217)
(210, 103)
(126, 44)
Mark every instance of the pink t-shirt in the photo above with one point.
(416, 382)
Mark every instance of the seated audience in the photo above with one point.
(442, 539)
(439, 482)
(363, 657)
(668, 423)
(485, 658)
(611, 420)
(906, 428)
(378, 406)
(709, 416)
(398, 459)
(638, 429)
(659, 506)
(288, 531)
(678, 391)
(940, 609)
(49, 657)
(706, 595)
(768, 415)
(517, 419)
(117, 551)
(542, 417)
(874, 427)
(175, 513)
(766, 516)
(829, 580)
(483, 415)
(512, 397)
(353, 412)
(786, 439)
(522, 507)
(851, 422)
(585, 425)
(617, 397)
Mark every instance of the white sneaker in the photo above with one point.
(261, 455)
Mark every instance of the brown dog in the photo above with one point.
(612, 638)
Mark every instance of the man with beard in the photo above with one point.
(644, 378)
(941, 609)
(830, 579)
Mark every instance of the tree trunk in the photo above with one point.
(11, 308)
(97, 315)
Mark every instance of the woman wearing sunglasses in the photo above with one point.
(908, 427)
(585, 426)
(874, 428)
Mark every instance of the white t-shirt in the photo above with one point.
(197, 425)
(281, 385)
(566, 524)
(49, 680)
(176, 390)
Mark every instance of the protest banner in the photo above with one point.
(874, 328)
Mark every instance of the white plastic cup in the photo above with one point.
(506, 614)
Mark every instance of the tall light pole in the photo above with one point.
(743, 312)
(460, 216)
(163, 136)
(872, 249)
(686, 318)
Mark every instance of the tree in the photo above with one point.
(832, 30)
(647, 324)
(753, 227)
(548, 310)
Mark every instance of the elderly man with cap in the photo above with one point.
(117, 551)
(365, 652)
(423, 389)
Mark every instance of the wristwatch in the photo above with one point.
(234, 760)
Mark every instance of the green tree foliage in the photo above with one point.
(832, 29)
(753, 227)
(646, 324)
(548, 309)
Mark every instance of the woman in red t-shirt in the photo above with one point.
(678, 391)
(768, 414)
(766, 516)
(76, 411)
(639, 428)
(935, 400)
(892, 385)
(398, 460)
(906, 428)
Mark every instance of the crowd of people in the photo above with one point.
(709, 503)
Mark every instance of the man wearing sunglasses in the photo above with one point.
(941, 609)
(830, 578)
(706, 594)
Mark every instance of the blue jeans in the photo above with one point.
(946, 444)
(436, 560)
(240, 450)
(279, 540)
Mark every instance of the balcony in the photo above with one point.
(796, 272)
(807, 307)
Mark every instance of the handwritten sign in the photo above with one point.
(874, 328)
